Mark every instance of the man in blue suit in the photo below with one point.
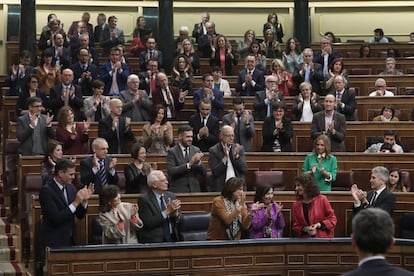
(114, 74)
(60, 202)
(251, 79)
(372, 236)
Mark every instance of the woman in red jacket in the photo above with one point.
(313, 215)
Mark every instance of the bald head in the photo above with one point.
(115, 107)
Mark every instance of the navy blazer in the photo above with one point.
(16, 85)
(315, 77)
(217, 105)
(57, 226)
(105, 131)
(85, 84)
(154, 223)
(385, 201)
(213, 125)
(76, 103)
(87, 175)
(143, 60)
(348, 98)
(121, 77)
(248, 90)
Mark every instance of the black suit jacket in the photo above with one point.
(337, 139)
(378, 267)
(154, 222)
(76, 103)
(260, 108)
(158, 98)
(84, 83)
(57, 227)
(213, 125)
(385, 201)
(87, 175)
(348, 98)
(248, 90)
(315, 77)
(105, 131)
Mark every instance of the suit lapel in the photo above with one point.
(56, 190)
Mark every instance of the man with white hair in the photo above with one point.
(160, 211)
(308, 71)
(380, 86)
(136, 102)
(390, 68)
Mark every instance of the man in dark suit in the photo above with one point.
(372, 236)
(325, 56)
(226, 159)
(200, 28)
(214, 95)
(18, 73)
(379, 196)
(206, 41)
(114, 74)
(84, 44)
(150, 54)
(160, 211)
(308, 71)
(84, 72)
(331, 123)
(100, 26)
(184, 163)
(34, 129)
(111, 36)
(168, 96)
(205, 126)
(60, 202)
(116, 129)
(242, 122)
(251, 79)
(99, 169)
(68, 94)
(345, 99)
(61, 54)
(148, 78)
(265, 99)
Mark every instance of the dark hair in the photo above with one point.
(255, 42)
(396, 53)
(25, 54)
(108, 193)
(261, 191)
(217, 69)
(231, 185)
(373, 230)
(390, 132)
(335, 61)
(390, 107)
(47, 53)
(309, 185)
(399, 186)
(27, 80)
(98, 84)
(379, 31)
(386, 147)
(361, 49)
(238, 100)
(51, 146)
(187, 62)
(62, 165)
(112, 17)
(155, 110)
(184, 128)
(332, 35)
(298, 50)
(30, 101)
(205, 75)
(135, 149)
(278, 105)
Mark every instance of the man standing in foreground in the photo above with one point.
(372, 236)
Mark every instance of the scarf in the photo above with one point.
(234, 226)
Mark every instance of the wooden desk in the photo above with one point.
(253, 257)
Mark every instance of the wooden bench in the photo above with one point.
(253, 257)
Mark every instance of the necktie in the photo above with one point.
(67, 90)
(85, 67)
(65, 195)
(151, 54)
(166, 228)
(338, 95)
(103, 180)
(373, 199)
(186, 154)
(170, 104)
(325, 65)
(152, 84)
(307, 73)
(238, 125)
(114, 86)
(204, 122)
(249, 72)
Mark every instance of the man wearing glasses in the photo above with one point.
(380, 86)
(265, 99)
(34, 129)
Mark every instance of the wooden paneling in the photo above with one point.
(247, 257)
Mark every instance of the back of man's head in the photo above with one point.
(373, 231)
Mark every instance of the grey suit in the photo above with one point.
(337, 139)
(182, 179)
(154, 223)
(138, 112)
(219, 169)
(245, 132)
(25, 134)
(89, 109)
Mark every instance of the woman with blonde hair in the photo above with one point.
(283, 77)
(274, 25)
(270, 46)
(244, 45)
(321, 164)
(306, 103)
(222, 55)
(192, 55)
